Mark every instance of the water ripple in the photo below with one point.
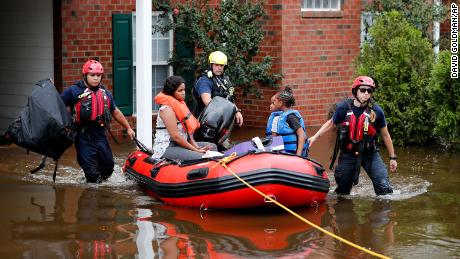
(404, 187)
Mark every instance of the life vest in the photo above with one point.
(355, 130)
(93, 106)
(221, 86)
(288, 134)
(273, 115)
(183, 114)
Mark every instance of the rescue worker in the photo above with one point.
(93, 107)
(360, 121)
(213, 83)
(176, 125)
(288, 122)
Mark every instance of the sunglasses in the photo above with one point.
(369, 90)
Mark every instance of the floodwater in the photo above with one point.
(117, 219)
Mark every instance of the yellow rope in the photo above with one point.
(224, 162)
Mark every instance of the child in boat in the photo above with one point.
(272, 123)
(175, 125)
(287, 123)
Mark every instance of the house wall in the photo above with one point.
(87, 33)
(314, 53)
(26, 53)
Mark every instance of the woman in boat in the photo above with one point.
(175, 125)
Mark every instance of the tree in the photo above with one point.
(400, 59)
(445, 97)
(233, 28)
(421, 14)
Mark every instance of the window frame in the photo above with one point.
(154, 63)
(315, 9)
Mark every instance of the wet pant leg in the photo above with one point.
(106, 162)
(378, 172)
(344, 173)
(95, 158)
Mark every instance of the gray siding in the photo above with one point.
(26, 53)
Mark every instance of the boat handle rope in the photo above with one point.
(223, 162)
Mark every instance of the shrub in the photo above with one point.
(445, 97)
(400, 59)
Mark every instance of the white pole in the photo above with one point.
(436, 31)
(144, 71)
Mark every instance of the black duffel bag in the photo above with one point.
(45, 125)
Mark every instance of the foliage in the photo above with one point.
(420, 14)
(400, 59)
(233, 28)
(445, 97)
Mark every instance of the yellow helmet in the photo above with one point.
(218, 57)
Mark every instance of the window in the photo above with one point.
(162, 47)
(320, 5)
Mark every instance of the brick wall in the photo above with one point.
(314, 52)
(256, 111)
(87, 33)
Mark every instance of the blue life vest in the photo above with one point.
(268, 129)
(288, 134)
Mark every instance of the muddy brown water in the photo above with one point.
(117, 219)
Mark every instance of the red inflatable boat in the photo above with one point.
(291, 180)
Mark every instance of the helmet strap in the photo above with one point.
(362, 104)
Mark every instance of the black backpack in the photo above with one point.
(44, 126)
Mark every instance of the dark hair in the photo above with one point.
(287, 97)
(171, 84)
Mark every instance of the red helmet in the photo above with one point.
(363, 80)
(92, 66)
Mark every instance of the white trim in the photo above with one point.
(144, 71)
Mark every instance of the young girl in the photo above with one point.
(272, 124)
(290, 124)
(176, 125)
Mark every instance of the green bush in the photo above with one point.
(400, 59)
(445, 96)
(420, 14)
(233, 28)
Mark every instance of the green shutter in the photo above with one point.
(185, 50)
(123, 62)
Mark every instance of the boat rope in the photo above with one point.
(223, 162)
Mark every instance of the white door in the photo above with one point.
(26, 53)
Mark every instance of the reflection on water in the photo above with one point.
(117, 219)
(240, 233)
(80, 223)
(369, 225)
